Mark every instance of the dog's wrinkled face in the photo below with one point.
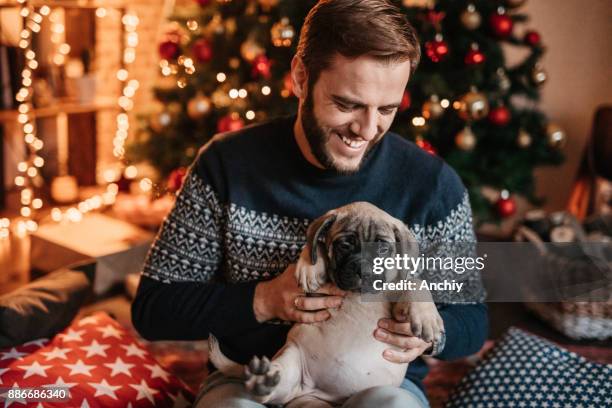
(345, 230)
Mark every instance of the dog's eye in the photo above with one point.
(346, 244)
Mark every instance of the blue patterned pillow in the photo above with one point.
(524, 370)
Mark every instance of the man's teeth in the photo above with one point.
(355, 144)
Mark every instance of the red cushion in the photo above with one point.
(103, 365)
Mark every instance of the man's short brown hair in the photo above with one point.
(353, 28)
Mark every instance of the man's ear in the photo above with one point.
(299, 77)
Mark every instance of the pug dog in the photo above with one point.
(330, 361)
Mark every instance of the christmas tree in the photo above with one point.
(225, 64)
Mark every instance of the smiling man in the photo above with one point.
(223, 262)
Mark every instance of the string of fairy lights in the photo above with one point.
(28, 176)
(28, 171)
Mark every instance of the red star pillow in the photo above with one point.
(98, 362)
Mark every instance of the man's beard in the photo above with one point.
(318, 139)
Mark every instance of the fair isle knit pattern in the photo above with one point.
(194, 237)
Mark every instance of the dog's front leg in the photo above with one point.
(278, 381)
(311, 277)
(417, 307)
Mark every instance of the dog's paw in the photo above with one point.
(260, 381)
(425, 321)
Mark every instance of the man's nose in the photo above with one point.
(366, 126)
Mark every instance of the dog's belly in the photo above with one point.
(341, 356)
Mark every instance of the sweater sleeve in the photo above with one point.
(450, 233)
(183, 294)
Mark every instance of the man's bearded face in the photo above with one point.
(349, 109)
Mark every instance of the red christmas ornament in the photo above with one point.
(230, 123)
(261, 67)
(175, 179)
(203, 3)
(425, 145)
(436, 49)
(474, 57)
(202, 50)
(435, 17)
(499, 116)
(501, 24)
(532, 38)
(405, 103)
(169, 50)
(505, 206)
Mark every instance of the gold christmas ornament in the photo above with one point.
(524, 139)
(230, 25)
(198, 106)
(470, 18)
(432, 108)
(538, 75)
(465, 139)
(221, 99)
(282, 33)
(472, 106)
(234, 63)
(556, 136)
(250, 49)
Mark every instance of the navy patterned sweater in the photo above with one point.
(241, 217)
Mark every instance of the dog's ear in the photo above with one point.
(408, 245)
(316, 229)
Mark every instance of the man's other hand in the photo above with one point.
(397, 332)
(281, 298)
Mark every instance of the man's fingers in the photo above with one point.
(396, 327)
(399, 340)
(311, 317)
(331, 289)
(397, 356)
(317, 303)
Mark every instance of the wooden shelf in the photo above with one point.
(62, 107)
(68, 3)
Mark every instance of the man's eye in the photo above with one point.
(344, 108)
(387, 111)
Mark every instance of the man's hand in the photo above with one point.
(397, 332)
(281, 298)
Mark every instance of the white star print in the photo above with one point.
(59, 383)
(157, 372)
(9, 401)
(72, 335)
(119, 366)
(144, 391)
(57, 352)
(12, 354)
(38, 342)
(133, 350)
(88, 320)
(80, 368)
(109, 331)
(104, 388)
(84, 404)
(95, 349)
(34, 369)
